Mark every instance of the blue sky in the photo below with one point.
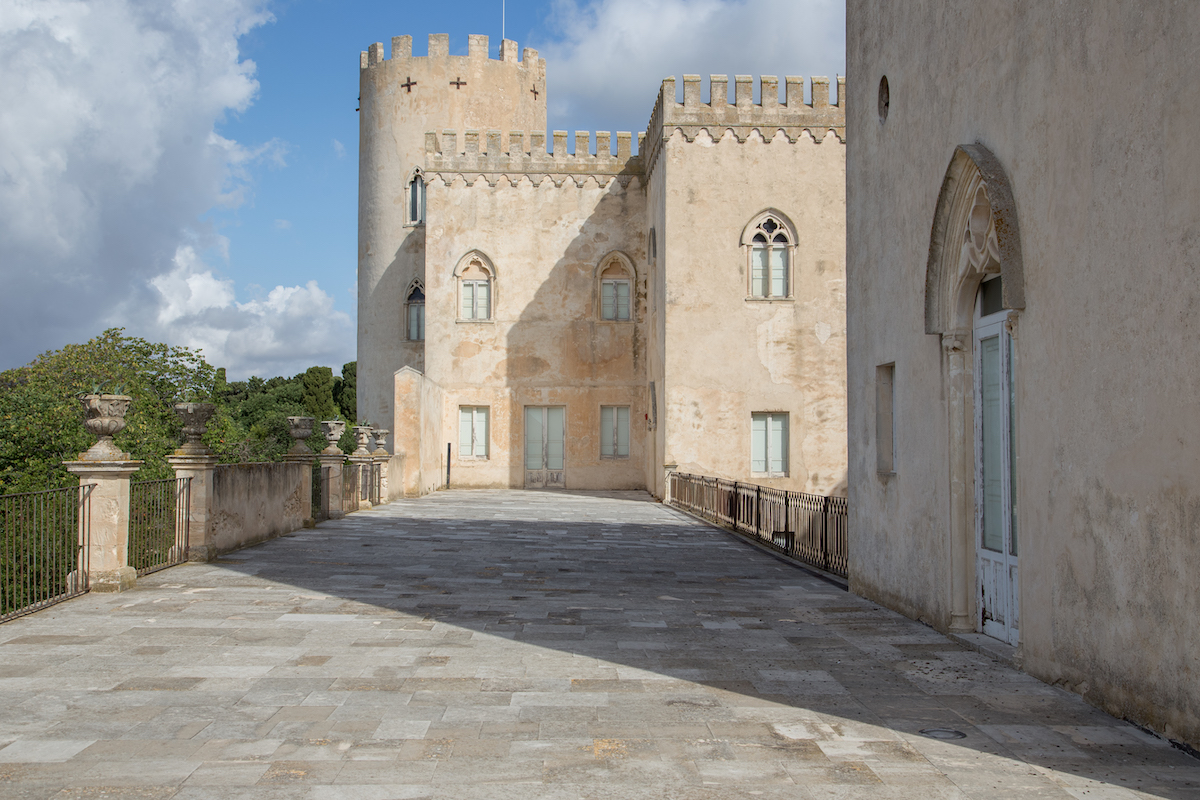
(189, 170)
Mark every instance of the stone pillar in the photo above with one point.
(362, 459)
(301, 428)
(382, 459)
(194, 460)
(331, 460)
(107, 470)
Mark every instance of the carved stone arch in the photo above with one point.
(616, 257)
(760, 217)
(975, 233)
(479, 258)
(415, 283)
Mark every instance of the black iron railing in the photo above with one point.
(158, 523)
(43, 548)
(807, 527)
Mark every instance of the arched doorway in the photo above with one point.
(974, 289)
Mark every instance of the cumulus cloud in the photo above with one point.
(290, 329)
(109, 157)
(339, 149)
(605, 69)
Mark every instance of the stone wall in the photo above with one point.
(255, 502)
(1087, 107)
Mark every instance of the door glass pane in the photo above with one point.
(758, 271)
(481, 432)
(555, 445)
(991, 444)
(777, 446)
(533, 438)
(758, 443)
(465, 446)
(607, 437)
(622, 431)
(1012, 448)
(779, 272)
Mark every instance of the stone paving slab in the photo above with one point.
(557, 646)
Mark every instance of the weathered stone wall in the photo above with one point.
(1089, 109)
(393, 121)
(545, 236)
(725, 354)
(255, 502)
(419, 435)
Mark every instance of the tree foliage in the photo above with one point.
(41, 419)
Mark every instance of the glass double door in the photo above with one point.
(545, 447)
(995, 471)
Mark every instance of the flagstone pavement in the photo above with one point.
(504, 644)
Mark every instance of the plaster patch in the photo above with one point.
(823, 331)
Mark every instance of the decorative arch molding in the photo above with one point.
(615, 257)
(475, 257)
(416, 283)
(975, 234)
(760, 217)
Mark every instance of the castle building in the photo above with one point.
(532, 315)
(1023, 381)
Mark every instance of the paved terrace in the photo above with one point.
(531, 645)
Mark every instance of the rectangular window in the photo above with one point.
(614, 431)
(416, 321)
(476, 300)
(614, 300)
(769, 444)
(885, 407)
(758, 271)
(472, 432)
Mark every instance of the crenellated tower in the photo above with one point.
(401, 98)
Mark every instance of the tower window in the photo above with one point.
(416, 315)
(769, 249)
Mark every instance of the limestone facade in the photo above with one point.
(591, 317)
(1025, 202)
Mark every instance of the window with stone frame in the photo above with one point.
(770, 247)
(415, 312)
(415, 199)
(769, 444)
(616, 290)
(475, 292)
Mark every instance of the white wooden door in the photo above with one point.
(995, 507)
(545, 447)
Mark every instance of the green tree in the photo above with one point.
(41, 419)
(345, 391)
(318, 393)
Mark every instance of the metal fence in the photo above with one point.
(43, 548)
(807, 527)
(158, 523)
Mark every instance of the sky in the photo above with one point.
(188, 169)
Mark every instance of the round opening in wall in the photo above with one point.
(885, 99)
(942, 733)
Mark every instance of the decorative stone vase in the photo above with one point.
(381, 435)
(104, 417)
(333, 430)
(362, 435)
(300, 429)
(195, 417)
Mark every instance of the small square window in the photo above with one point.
(614, 431)
(769, 444)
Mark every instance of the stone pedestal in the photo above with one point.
(363, 464)
(382, 459)
(301, 428)
(331, 491)
(199, 467)
(108, 544)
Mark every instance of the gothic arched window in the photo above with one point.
(415, 308)
(770, 244)
(416, 199)
(476, 284)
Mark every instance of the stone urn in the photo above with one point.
(300, 429)
(333, 430)
(104, 417)
(362, 435)
(381, 435)
(195, 417)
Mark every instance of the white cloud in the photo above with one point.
(289, 330)
(283, 224)
(339, 149)
(605, 69)
(109, 156)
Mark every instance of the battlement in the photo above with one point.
(743, 116)
(439, 48)
(477, 154)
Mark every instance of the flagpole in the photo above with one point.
(502, 2)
